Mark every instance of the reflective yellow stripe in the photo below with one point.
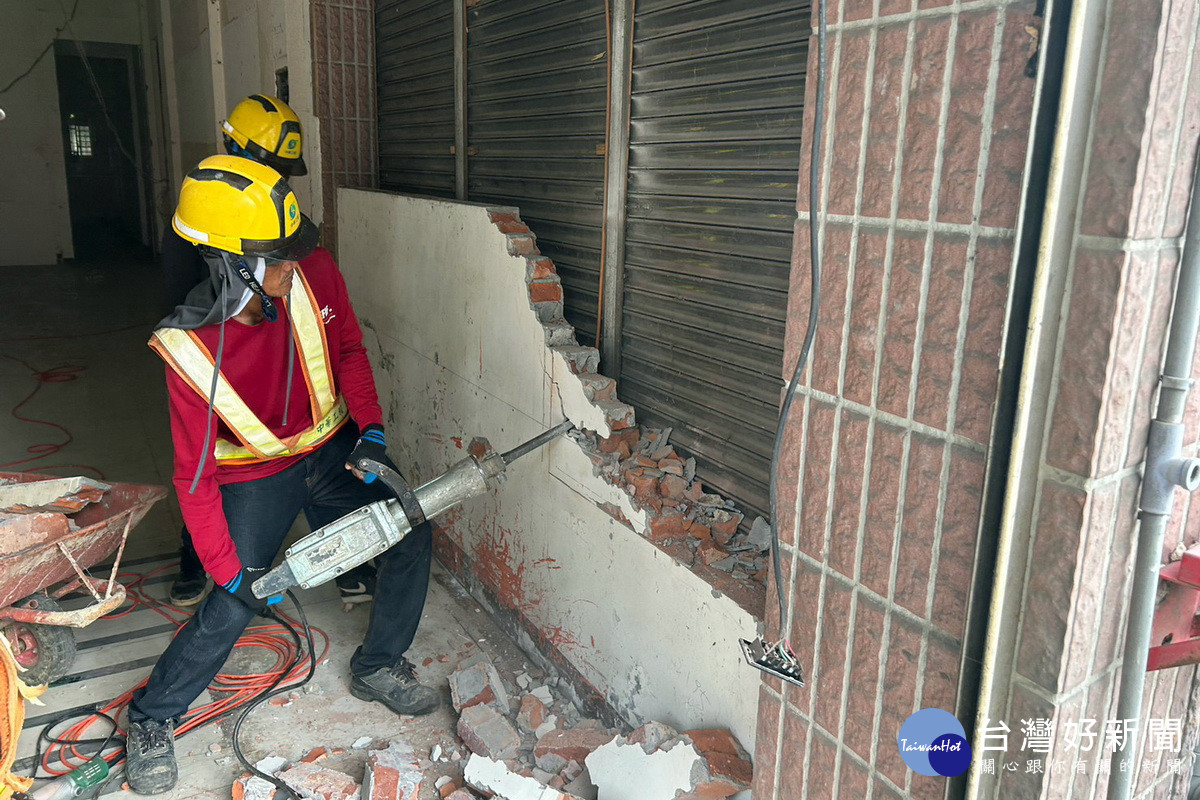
(190, 359)
(302, 442)
(186, 354)
(309, 333)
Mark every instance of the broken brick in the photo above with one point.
(710, 552)
(579, 359)
(725, 525)
(699, 531)
(572, 744)
(651, 736)
(612, 444)
(532, 714)
(319, 783)
(315, 755)
(393, 773)
(672, 487)
(487, 733)
(597, 387)
(668, 526)
(671, 465)
(539, 268)
(477, 682)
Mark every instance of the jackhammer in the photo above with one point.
(361, 535)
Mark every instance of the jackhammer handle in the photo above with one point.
(395, 481)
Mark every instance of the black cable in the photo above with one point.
(45, 50)
(814, 300)
(45, 736)
(272, 691)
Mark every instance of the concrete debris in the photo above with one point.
(462, 794)
(476, 681)
(362, 742)
(392, 773)
(524, 681)
(544, 694)
(701, 764)
(62, 495)
(487, 733)
(496, 778)
(550, 724)
(652, 736)
(252, 787)
(312, 782)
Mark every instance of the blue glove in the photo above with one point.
(371, 444)
(240, 587)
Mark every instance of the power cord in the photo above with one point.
(244, 692)
(279, 785)
(777, 658)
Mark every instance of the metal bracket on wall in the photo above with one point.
(1175, 635)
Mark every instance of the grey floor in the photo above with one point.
(91, 321)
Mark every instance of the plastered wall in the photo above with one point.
(459, 352)
(35, 224)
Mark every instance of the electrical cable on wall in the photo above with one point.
(45, 50)
(777, 658)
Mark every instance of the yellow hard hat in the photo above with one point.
(269, 131)
(243, 207)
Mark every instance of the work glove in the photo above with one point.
(240, 587)
(371, 444)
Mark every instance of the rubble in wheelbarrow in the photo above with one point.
(680, 510)
(62, 495)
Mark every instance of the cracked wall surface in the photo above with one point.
(463, 319)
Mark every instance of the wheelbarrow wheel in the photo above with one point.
(46, 652)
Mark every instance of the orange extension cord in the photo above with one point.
(290, 667)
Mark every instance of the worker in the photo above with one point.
(264, 129)
(271, 401)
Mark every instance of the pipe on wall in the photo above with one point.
(1063, 188)
(1163, 473)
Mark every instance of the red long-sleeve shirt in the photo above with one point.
(255, 363)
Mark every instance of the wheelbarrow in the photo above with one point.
(45, 555)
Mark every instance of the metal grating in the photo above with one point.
(718, 90)
(414, 61)
(536, 73)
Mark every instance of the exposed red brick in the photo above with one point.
(668, 526)
(621, 441)
(545, 291)
(571, 744)
(725, 525)
(672, 487)
(532, 713)
(512, 227)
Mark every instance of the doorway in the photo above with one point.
(103, 114)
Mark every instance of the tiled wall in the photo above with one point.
(928, 118)
(344, 85)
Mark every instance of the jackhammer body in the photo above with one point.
(361, 535)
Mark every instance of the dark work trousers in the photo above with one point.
(260, 513)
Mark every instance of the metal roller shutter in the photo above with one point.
(536, 72)
(716, 106)
(718, 90)
(414, 62)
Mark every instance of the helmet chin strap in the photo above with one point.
(270, 312)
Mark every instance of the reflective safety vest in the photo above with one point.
(193, 362)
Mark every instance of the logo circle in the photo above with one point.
(933, 742)
(292, 211)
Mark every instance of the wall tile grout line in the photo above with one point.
(900, 423)
(926, 13)
(918, 225)
(851, 274)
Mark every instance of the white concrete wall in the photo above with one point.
(35, 224)
(459, 353)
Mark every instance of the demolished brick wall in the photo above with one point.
(462, 318)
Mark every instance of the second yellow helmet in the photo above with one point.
(269, 131)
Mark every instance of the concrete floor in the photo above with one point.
(91, 321)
